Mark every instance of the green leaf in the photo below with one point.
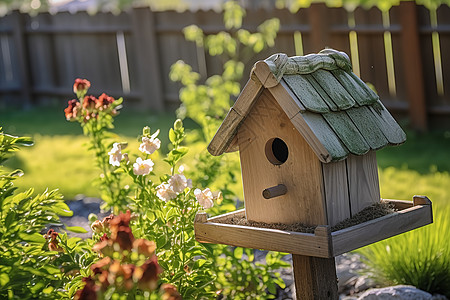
(238, 252)
(32, 238)
(10, 217)
(4, 279)
(61, 209)
(76, 229)
(172, 136)
(24, 141)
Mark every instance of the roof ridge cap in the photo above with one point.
(329, 59)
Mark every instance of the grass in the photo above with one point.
(59, 158)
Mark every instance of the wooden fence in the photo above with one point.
(404, 53)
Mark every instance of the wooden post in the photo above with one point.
(23, 60)
(315, 278)
(412, 65)
(319, 35)
(148, 61)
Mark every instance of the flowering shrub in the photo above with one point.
(95, 116)
(32, 265)
(165, 207)
(128, 266)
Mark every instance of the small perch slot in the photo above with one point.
(274, 191)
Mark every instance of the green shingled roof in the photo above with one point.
(342, 111)
(340, 114)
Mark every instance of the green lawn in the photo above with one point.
(59, 158)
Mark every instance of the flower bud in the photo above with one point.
(92, 217)
(178, 124)
(97, 226)
(146, 131)
(81, 86)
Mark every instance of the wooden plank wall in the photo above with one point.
(41, 56)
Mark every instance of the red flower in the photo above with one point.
(97, 268)
(72, 110)
(89, 103)
(124, 237)
(169, 292)
(121, 220)
(104, 101)
(53, 245)
(148, 274)
(81, 86)
(144, 247)
(89, 292)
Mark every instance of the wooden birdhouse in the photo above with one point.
(307, 129)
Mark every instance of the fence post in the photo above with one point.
(148, 61)
(22, 58)
(318, 20)
(412, 65)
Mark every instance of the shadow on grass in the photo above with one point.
(424, 153)
(50, 120)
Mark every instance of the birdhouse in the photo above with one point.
(307, 130)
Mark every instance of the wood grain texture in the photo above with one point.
(247, 97)
(240, 213)
(348, 133)
(368, 127)
(306, 93)
(336, 192)
(301, 173)
(263, 238)
(334, 89)
(320, 136)
(287, 99)
(366, 233)
(315, 278)
(233, 146)
(262, 71)
(225, 133)
(364, 188)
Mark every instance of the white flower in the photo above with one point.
(142, 167)
(165, 192)
(115, 155)
(205, 197)
(149, 145)
(178, 183)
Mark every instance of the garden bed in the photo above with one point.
(321, 241)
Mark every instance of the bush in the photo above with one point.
(420, 258)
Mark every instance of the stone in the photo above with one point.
(398, 292)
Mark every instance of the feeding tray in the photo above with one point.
(322, 243)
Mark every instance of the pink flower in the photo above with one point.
(205, 197)
(178, 183)
(149, 145)
(115, 155)
(142, 167)
(165, 192)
